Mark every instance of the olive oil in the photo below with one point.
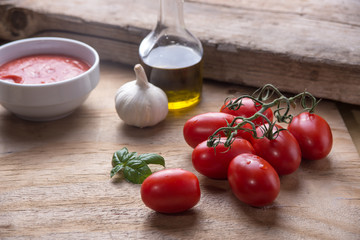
(177, 70)
(172, 57)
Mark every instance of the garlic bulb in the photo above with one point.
(140, 103)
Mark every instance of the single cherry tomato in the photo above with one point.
(253, 180)
(198, 128)
(313, 134)
(171, 190)
(248, 109)
(283, 152)
(214, 162)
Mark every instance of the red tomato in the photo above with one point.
(214, 163)
(198, 128)
(248, 109)
(283, 152)
(253, 180)
(243, 133)
(313, 134)
(171, 190)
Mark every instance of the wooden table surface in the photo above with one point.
(296, 45)
(55, 184)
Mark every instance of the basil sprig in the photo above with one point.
(133, 166)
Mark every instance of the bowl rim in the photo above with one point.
(34, 39)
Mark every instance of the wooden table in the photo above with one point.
(55, 184)
(295, 45)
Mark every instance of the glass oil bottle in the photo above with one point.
(172, 57)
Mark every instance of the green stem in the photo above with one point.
(261, 98)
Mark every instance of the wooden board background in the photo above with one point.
(54, 179)
(296, 45)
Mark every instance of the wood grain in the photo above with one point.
(351, 116)
(54, 179)
(297, 45)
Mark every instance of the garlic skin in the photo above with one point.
(140, 103)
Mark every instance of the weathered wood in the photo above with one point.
(351, 116)
(295, 45)
(54, 179)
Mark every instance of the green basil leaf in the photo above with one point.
(136, 171)
(116, 169)
(134, 167)
(152, 158)
(120, 156)
(115, 160)
(131, 156)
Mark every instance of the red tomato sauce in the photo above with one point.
(40, 69)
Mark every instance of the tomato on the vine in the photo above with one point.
(313, 134)
(171, 190)
(282, 152)
(214, 163)
(253, 180)
(198, 128)
(248, 109)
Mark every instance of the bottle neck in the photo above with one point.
(171, 14)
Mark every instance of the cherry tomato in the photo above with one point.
(214, 163)
(171, 190)
(253, 180)
(248, 109)
(282, 152)
(313, 134)
(198, 128)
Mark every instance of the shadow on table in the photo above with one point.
(184, 223)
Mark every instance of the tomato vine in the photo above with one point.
(266, 97)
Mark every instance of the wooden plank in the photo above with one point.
(295, 45)
(351, 116)
(54, 179)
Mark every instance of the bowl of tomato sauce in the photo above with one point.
(46, 78)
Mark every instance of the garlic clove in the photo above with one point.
(140, 103)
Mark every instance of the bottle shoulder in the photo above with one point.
(162, 37)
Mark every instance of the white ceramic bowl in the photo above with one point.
(50, 101)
